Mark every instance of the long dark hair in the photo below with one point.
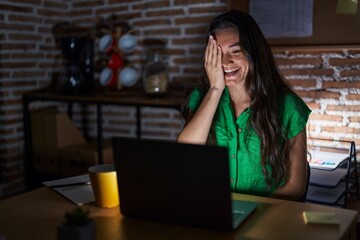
(264, 84)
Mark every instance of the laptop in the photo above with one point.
(177, 183)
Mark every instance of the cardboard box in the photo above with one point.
(50, 131)
(76, 159)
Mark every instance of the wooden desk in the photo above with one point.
(35, 215)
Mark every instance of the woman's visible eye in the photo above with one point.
(237, 51)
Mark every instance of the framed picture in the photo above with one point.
(334, 22)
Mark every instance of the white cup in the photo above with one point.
(106, 43)
(106, 77)
(128, 76)
(127, 42)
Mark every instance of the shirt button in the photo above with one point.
(233, 156)
(239, 130)
(231, 180)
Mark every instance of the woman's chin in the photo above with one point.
(230, 82)
(234, 80)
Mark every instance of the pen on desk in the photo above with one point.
(70, 184)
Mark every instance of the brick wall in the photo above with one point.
(27, 58)
(327, 79)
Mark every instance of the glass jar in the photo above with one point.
(155, 79)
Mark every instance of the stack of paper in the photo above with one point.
(77, 189)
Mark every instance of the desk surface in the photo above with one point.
(35, 215)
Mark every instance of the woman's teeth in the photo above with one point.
(230, 72)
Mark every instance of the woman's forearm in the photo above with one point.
(295, 185)
(198, 126)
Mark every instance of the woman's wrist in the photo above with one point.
(214, 93)
(216, 90)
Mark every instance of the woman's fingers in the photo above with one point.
(214, 52)
(210, 52)
(207, 52)
(219, 56)
(213, 65)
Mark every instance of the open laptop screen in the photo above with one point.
(171, 182)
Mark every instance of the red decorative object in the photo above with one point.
(109, 44)
(116, 61)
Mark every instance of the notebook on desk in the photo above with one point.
(77, 189)
(177, 183)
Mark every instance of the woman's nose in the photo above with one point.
(226, 59)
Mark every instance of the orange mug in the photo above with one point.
(104, 184)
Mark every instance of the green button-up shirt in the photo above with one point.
(243, 143)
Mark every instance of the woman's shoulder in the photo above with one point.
(198, 92)
(294, 114)
(291, 101)
(291, 97)
(195, 97)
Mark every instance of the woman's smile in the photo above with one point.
(230, 73)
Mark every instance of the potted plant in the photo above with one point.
(77, 226)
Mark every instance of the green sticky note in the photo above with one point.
(346, 6)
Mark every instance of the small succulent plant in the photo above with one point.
(77, 217)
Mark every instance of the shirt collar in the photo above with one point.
(225, 97)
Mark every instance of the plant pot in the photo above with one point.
(67, 232)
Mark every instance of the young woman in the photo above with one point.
(245, 105)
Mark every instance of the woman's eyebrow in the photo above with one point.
(235, 45)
